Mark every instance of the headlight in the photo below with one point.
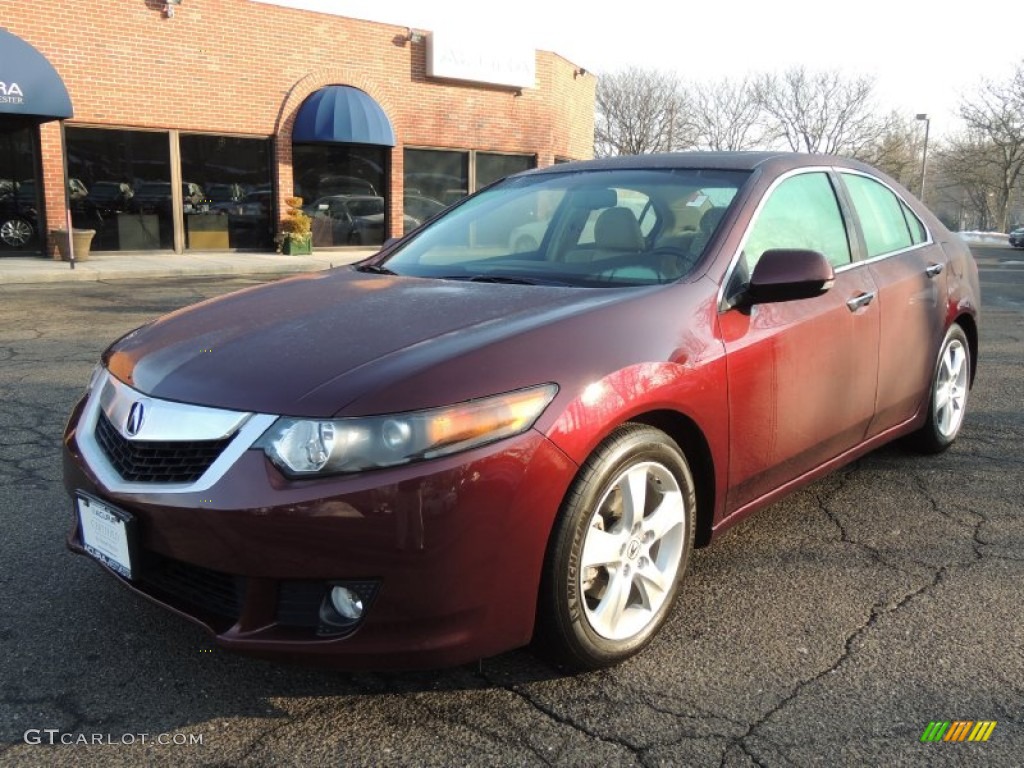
(304, 447)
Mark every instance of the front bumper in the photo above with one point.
(453, 549)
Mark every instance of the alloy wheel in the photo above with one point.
(632, 551)
(15, 232)
(951, 389)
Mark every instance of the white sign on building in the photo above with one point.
(480, 59)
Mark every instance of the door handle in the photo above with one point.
(860, 301)
(933, 269)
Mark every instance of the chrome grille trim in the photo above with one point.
(172, 422)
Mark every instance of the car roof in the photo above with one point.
(347, 198)
(725, 161)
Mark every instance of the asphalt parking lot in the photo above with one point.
(830, 629)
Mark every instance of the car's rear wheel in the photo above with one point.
(947, 403)
(16, 232)
(618, 550)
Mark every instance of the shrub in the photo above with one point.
(297, 225)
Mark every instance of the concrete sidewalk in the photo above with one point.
(17, 270)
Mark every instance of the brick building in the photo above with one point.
(191, 122)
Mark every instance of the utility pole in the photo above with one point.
(924, 154)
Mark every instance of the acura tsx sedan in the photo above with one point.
(456, 447)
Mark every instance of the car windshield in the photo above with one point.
(366, 207)
(592, 228)
(155, 189)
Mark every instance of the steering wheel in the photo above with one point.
(670, 261)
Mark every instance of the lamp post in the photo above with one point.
(924, 154)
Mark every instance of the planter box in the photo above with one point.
(138, 231)
(297, 247)
(81, 239)
(207, 232)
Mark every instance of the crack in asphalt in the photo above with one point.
(877, 612)
(874, 554)
(554, 716)
(474, 728)
(289, 721)
(62, 702)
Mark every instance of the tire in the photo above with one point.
(609, 581)
(947, 399)
(16, 232)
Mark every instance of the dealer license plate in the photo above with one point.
(106, 534)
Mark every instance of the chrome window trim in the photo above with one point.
(722, 305)
(182, 422)
(882, 257)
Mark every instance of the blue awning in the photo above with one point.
(341, 114)
(29, 85)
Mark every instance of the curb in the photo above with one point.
(35, 270)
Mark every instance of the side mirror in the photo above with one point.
(787, 275)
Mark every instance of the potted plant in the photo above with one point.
(296, 229)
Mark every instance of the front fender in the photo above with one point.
(696, 393)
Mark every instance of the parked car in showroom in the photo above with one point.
(155, 197)
(450, 450)
(19, 216)
(351, 220)
(1017, 237)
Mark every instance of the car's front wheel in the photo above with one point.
(16, 232)
(618, 550)
(947, 402)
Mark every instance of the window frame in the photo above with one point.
(863, 257)
(853, 234)
(854, 230)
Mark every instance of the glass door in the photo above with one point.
(20, 188)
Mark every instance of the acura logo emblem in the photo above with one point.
(133, 423)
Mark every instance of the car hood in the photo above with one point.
(313, 344)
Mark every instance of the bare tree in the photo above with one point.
(969, 176)
(897, 150)
(726, 115)
(640, 111)
(819, 111)
(995, 121)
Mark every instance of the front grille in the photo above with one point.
(298, 603)
(211, 592)
(157, 461)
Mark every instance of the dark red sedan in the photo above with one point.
(457, 447)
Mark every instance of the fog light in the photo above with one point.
(347, 603)
(343, 606)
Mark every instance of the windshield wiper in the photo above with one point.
(375, 269)
(508, 279)
(503, 279)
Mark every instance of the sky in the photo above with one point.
(923, 56)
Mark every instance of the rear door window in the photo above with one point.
(881, 215)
